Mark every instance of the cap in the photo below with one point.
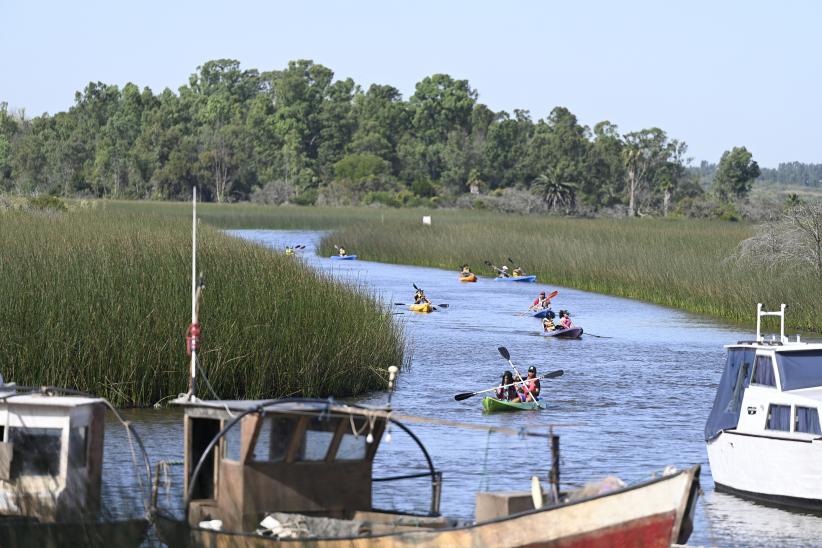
(542, 292)
(532, 369)
(505, 267)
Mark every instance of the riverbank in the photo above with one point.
(683, 264)
(98, 299)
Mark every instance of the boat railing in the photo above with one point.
(781, 315)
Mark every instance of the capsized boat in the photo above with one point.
(531, 278)
(470, 278)
(493, 404)
(422, 307)
(763, 435)
(51, 471)
(570, 333)
(343, 257)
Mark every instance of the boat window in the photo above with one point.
(763, 372)
(36, 451)
(352, 448)
(807, 420)
(800, 369)
(272, 442)
(231, 443)
(779, 418)
(729, 393)
(317, 443)
(77, 447)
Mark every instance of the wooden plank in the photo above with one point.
(296, 439)
(339, 432)
(249, 432)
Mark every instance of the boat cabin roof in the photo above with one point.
(221, 408)
(46, 400)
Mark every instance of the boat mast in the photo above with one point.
(194, 328)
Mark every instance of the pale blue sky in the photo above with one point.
(714, 74)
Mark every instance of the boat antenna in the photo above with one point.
(197, 286)
(781, 314)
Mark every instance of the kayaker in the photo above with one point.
(420, 298)
(531, 389)
(548, 323)
(466, 271)
(343, 253)
(503, 273)
(518, 272)
(289, 250)
(565, 319)
(541, 302)
(509, 393)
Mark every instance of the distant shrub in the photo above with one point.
(306, 197)
(45, 202)
(424, 188)
(384, 198)
(274, 192)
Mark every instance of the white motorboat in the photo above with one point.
(763, 435)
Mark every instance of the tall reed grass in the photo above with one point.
(678, 263)
(100, 300)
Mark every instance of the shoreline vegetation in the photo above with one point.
(97, 299)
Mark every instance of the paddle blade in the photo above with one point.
(552, 294)
(336, 246)
(464, 396)
(415, 287)
(510, 260)
(554, 374)
(443, 305)
(399, 304)
(504, 352)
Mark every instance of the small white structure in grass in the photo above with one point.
(426, 220)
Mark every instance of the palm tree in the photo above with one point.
(554, 190)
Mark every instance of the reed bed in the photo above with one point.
(677, 263)
(99, 300)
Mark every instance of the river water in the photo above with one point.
(628, 405)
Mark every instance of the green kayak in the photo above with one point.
(493, 404)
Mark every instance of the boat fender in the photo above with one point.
(192, 338)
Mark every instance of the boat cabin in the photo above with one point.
(772, 387)
(51, 455)
(244, 460)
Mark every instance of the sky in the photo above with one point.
(713, 74)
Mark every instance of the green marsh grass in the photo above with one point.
(99, 300)
(677, 263)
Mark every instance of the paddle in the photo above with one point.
(500, 271)
(507, 355)
(550, 296)
(443, 305)
(597, 336)
(466, 395)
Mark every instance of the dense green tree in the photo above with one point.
(736, 173)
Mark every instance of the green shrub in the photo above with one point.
(306, 197)
(47, 202)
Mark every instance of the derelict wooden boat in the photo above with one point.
(51, 465)
(299, 463)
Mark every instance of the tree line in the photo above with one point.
(298, 135)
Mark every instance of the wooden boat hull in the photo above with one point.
(471, 278)
(493, 404)
(343, 258)
(655, 513)
(572, 333)
(30, 534)
(531, 278)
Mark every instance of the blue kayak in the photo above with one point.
(571, 333)
(343, 258)
(516, 279)
(540, 313)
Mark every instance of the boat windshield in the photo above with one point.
(800, 369)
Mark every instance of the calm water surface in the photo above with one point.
(628, 405)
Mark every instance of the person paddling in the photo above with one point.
(342, 252)
(503, 272)
(506, 392)
(548, 323)
(518, 272)
(466, 271)
(531, 389)
(541, 302)
(420, 298)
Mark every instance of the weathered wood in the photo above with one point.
(297, 439)
(339, 432)
(6, 452)
(249, 432)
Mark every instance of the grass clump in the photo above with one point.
(683, 264)
(100, 301)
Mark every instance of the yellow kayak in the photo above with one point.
(424, 307)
